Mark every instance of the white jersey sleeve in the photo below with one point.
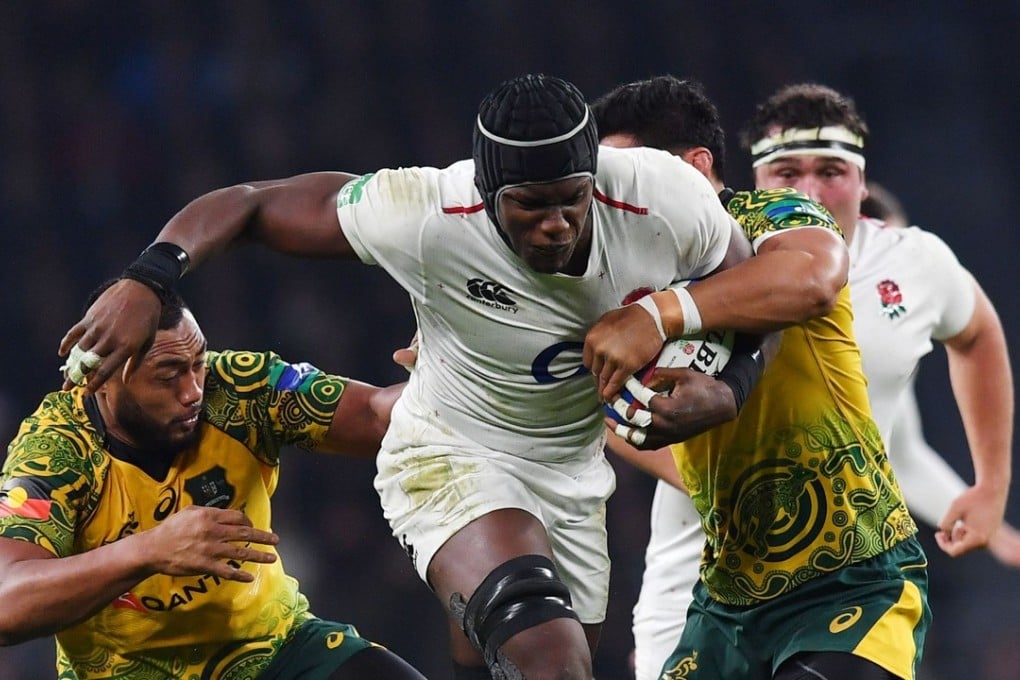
(954, 286)
(907, 289)
(694, 225)
(382, 215)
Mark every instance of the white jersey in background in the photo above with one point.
(907, 289)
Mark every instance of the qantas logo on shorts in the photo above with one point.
(491, 294)
(845, 619)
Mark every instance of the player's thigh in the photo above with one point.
(478, 548)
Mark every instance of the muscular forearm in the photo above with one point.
(754, 297)
(982, 383)
(43, 596)
(296, 216)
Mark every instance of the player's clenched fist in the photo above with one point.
(619, 344)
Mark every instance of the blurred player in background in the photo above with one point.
(677, 116)
(135, 522)
(909, 289)
(928, 481)
(493, 475)
(772, 489)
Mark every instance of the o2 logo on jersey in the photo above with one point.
(561, 361)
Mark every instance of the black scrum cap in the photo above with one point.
(534, 128)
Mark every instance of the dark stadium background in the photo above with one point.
(114, 114)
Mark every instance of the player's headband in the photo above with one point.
(836, 141)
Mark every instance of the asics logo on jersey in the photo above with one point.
(491, 294)
(167, 504)
(845, 619)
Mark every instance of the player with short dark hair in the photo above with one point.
(135, 520)
(492, 474)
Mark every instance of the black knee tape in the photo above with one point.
(519, 594)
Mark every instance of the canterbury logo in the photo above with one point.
(845, 620)
(491, 293)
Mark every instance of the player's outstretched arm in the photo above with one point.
(43, 594)
(795, 276)
(982, 383)
(296, 216)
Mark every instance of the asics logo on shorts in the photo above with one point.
(845, 619)
(491, 294)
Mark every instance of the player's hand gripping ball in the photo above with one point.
(706, 352)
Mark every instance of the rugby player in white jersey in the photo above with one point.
(885, 263)
(492, 474)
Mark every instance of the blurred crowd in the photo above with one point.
(113, 115)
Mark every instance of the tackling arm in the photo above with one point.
(296, 216)
(796, 275)
(361, 419)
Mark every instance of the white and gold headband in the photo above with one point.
(834, 141)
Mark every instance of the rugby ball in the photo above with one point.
(706, 352)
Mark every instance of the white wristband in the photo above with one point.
(649, 305)
(692, 317)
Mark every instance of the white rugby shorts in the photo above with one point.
(433, 488)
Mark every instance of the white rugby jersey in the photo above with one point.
(500, 344)
(907, 288)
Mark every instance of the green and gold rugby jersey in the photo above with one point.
(799, 484)
(65, 490)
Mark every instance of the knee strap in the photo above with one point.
(520, 593)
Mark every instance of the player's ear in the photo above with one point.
(701, 158)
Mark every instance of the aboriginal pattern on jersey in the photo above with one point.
(62, 490)
(799, 485)
(764, 210)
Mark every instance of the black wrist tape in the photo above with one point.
(159, 266)
(742, 373)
